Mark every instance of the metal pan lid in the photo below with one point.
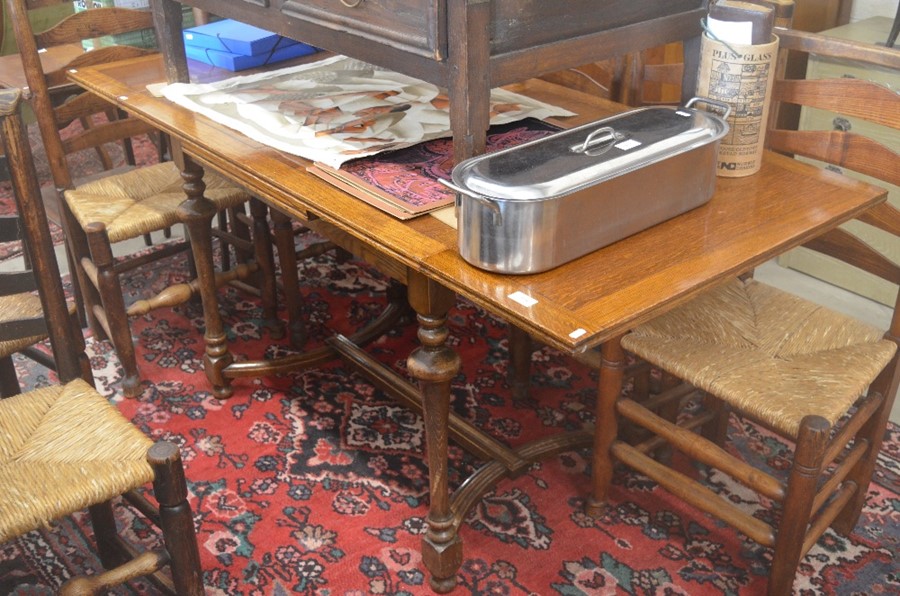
(571, 160)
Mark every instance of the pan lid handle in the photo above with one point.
(598, 142)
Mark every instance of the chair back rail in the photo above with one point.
(16, 282)
(113, 129)
(813, 375)
(94, 23)
(812, 43)
(641, 75)
(852, 97)
(53, 114)
(67, 344)
(883, 217)
(96, 56)
(852, 250)
(860, 99)
(35, 4)
(843, 149)
(106, 132)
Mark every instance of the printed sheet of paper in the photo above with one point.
(405, 183)
(339, 108)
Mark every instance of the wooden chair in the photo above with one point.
(64, 448)
(22, 322)
(654, 76)
(21, 318)
(824, 381)
(596, 78)
(119, 204)
(895, 30)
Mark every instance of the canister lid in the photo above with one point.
(570, 160)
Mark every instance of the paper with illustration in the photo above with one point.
(339, 108)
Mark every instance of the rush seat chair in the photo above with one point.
(822, 380)
(65, 448)
(22, 322)
(117, 205)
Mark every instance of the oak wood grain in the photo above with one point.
(748, 221)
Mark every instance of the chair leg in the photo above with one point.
(81, 308)
(162, 146)
(128, 148)
(265, 259)
(106, 535)
(519, 374)
(76, 249)
(290, 280)
(612, 372)
(641, 383)
(873, 432)
(241, 229)
(642, 388)
(225, 251)
(9, 381)
(797, 506)
(716, 430)
(114, 307)
(669, 411)
(176, 520)
(74, 279)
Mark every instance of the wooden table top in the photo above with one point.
(580, 304)
(12, 75)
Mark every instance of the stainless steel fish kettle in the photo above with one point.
(538, 205)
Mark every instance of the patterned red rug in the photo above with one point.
(315, 483)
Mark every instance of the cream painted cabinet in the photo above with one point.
(871, 30)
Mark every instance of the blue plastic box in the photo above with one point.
(233, 62)
(234, 37)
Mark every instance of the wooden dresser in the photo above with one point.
(465, 46)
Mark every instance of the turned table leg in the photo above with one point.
(197, 213)
(434, 365)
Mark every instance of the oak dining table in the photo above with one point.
(577, 307)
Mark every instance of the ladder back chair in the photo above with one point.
(65, 448)
(656, 76)
(119, 204)
(824, 381)
(653, 76)
(22, 323)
